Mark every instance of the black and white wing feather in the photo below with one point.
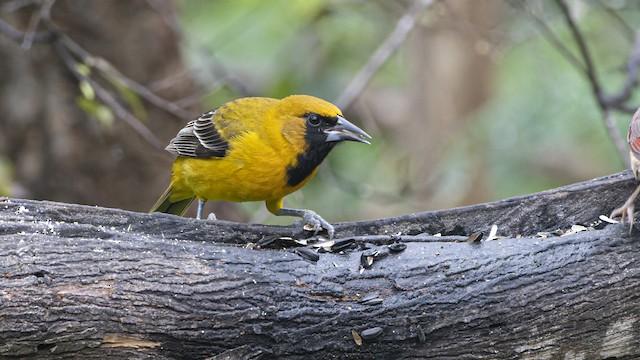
(199, 139)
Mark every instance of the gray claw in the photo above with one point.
(317, 223)
(630, 214)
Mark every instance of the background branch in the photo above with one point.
(107, 70)
(606, 103)
(382, 53)
(614, 134)
(16, 35)
(108, 99)
(44, 13)
(589, 66)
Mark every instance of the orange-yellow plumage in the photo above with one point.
(254, 149)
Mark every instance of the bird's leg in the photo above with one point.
(200, 207)
(627, 209)
(309, 217)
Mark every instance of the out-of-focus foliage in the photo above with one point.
(5, 176)
(542, 128)
(476, 105)
(279, 47)
(282, 47)
(539, 129)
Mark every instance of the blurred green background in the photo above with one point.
(475, 105)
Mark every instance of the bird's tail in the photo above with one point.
(165, 205)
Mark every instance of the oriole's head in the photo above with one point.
(320, 121)
(314, 126)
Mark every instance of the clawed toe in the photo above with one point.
(627, 210)
(317, 223)
(310, 219)
(631, 216)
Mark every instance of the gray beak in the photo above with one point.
(345, 130)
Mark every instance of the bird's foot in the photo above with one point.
(317, 223)
(212, 216)
(627, 210)
(311, 220)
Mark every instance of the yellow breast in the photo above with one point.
(252, 170)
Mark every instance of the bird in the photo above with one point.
(633, 138)
(255, 149)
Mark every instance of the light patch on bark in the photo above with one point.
(619, 340)
(537, 347)
(573, 355)
(117, 340)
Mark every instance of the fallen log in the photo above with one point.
(80, 281)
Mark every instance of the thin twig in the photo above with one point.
(223, 73)
(66, 48)
(168, 81)
(193, 98)
(631, 82)
(555, 42)
(616, 101)
(13, 5)
(627, 29)
(17, 35)
(614, 134)
(406, 23)
(603, 101)
(44, 12)
(165, 9)
(588, 68)
(110, 72)
(106, 97)
(584, 52)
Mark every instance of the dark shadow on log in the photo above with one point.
(78, 281)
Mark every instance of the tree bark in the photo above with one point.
(91, 282)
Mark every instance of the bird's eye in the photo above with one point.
(313, 119)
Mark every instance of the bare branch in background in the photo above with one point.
(603, 101)
(631, 82)
(108, 71)
(64, 47)
(107, 98)
(627, 29)
(167, 14)
(44, 13)
(16, 35)
(606, 103)
(589, 66)
(220, 72)
(555, 42)
(69, 51)
(621, 145)
(14, 5)
(406, 23)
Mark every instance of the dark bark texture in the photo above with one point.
(91, 282)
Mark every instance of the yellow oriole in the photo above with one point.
(255, 149)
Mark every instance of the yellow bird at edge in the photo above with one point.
(255, 149)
